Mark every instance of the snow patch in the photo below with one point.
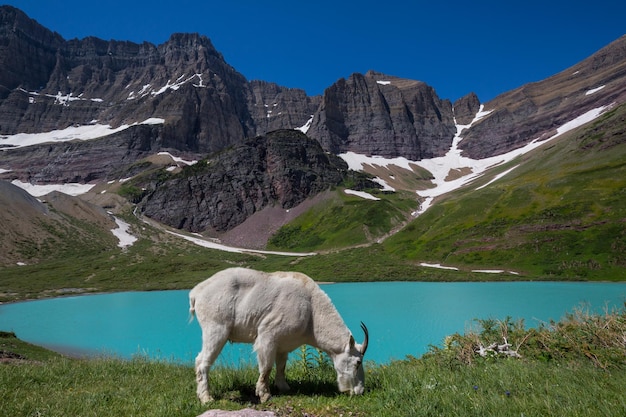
(121, 232)
(39, 190)
(497, 177)
(361, 194)
(382, 82)
(439, 266)
(153, 121)
(85, 132)
(147, 89)
(593, 90)
(305, 128)
(218, 246)
(177, 159)
(386, 187)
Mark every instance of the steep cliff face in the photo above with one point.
(377, 114)
(273, 107)
(47, 83)
(536, 110)
(282, 169)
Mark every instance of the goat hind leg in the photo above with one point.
(213, 341)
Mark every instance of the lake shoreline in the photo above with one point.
(407, 318)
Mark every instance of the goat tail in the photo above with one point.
(192, 308)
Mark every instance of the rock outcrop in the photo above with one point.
(465, 109)
(377, 114)
(273, 107)
(281, 169)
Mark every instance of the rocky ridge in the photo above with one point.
(48, 83)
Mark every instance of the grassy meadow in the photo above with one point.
(574, 367)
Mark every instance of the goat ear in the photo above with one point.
(351, 343)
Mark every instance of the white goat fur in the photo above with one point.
(278, 312)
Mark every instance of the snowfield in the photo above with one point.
(87, 132)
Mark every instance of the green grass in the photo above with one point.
(571, 368)
(12, 347)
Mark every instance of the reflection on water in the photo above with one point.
(403, 318)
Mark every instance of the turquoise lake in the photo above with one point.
(403, 318)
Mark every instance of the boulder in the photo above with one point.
(246, 412)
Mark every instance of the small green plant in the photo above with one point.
(309, 359)
(132, 193)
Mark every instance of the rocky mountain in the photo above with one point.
(48, 83)
(184, 98)
(377, 114)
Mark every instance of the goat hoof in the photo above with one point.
(205, 398)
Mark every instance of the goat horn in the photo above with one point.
(366, 340)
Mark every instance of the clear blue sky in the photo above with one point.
(488, 47)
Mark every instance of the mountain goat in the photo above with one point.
(277, 312)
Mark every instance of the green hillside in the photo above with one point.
(560, 214)
(345, 221)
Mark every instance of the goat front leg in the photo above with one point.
(281, 364)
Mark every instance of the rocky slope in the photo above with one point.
(33, 230)
(535, 110)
